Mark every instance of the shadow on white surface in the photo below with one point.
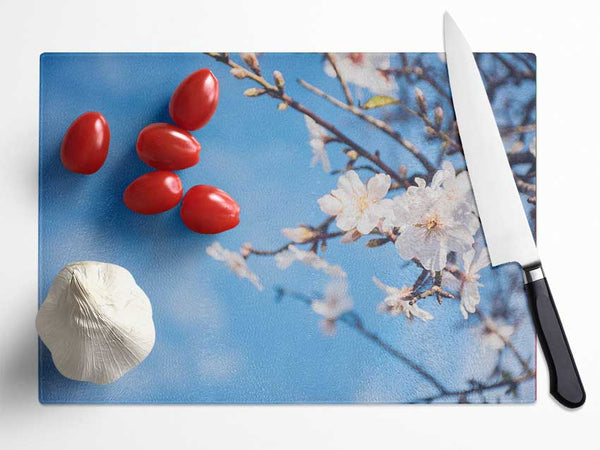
(18, 384)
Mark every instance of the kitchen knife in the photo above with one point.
(503, 219)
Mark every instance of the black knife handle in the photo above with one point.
(565, 383)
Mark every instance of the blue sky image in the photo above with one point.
(218, 338)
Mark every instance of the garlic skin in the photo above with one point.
(96, 321)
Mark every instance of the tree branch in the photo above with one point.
(377, 123)
(354, 321)
(275, 92)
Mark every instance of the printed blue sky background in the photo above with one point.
(218, 339)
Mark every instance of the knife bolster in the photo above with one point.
(533, 273)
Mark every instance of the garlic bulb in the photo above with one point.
(96, 321)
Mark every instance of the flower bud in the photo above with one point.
(438, 116)
(299, 235)
(420, 98)
(279, 81)
(254, 92)
(352, 155)
(246, 249)
(377, 242)
(238, 73)
(282, 106)
(351, 236)
(251, 61)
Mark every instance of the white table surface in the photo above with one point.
(566, 39)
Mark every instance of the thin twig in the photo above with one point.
(421, 74)
(519, 129)
(435, 289)
(331, 58)
(521, 57)
(365, 167)
(321, 234)
(514, 71)
(478, 388)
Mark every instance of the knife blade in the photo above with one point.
(504, 223)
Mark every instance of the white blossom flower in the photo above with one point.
(285, 259)
(398, 301)
(318, 140)
(336, 302)
(495, 335)
(468, 284)
(299, 234)
(235, 261)
(365, 70)
(432, 223)
(356, 205)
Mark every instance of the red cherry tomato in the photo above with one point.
(209, 210)
(167, 147)
(195, 100)
(153, 193)
(85, 145)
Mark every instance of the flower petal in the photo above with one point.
(392, 292)
(469, 298)
(284, 259)
(330, 205)
(378, 186)
(367, 222)
(348, 219)
(459, 238)
(216, 251)
(467, 258)
(420, 313)
(321, 308)
(482, 260)
(350, 183)
(409, 242)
